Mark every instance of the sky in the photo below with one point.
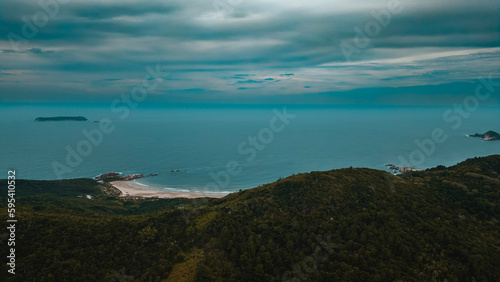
(335, 52)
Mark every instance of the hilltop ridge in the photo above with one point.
(352, 224)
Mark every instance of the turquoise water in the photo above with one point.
(198, 143)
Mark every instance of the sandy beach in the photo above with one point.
(129, 190)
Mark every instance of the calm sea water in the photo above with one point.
(199, 143)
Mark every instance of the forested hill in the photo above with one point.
(350, 224)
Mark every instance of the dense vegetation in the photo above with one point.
(349, 224)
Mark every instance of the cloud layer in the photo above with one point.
(242, 51)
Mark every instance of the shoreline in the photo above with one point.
(129, 190)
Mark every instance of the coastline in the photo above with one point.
(129, 190)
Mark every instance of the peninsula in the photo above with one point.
(61, 118)
(115, 176)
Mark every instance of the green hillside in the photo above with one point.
(350, 224)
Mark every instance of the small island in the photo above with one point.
(488, 136)
(61, 118)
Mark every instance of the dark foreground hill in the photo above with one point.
(342, 225)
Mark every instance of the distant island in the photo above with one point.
(79, 118)
(488, 136)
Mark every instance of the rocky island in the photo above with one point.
(488, 136)
(61, 118)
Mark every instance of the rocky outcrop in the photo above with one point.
(488, 136)
(113, 176)
(396, 169)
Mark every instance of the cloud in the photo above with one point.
(32, 50)
(250, 81)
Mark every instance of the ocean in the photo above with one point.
(224, 149)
